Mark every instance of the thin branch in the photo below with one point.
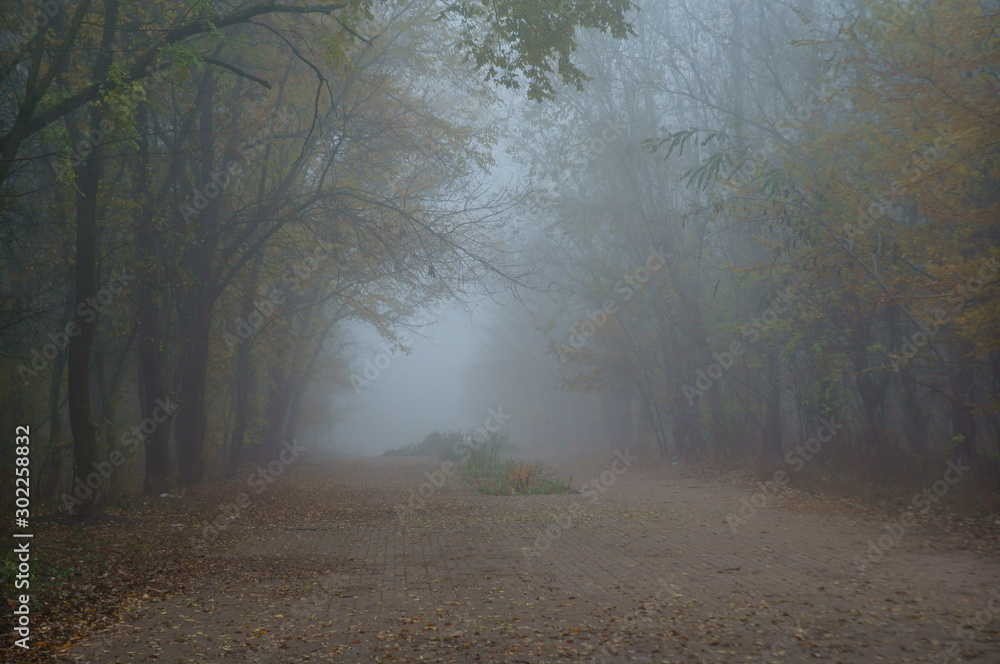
(236, 70)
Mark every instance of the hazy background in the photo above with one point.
(415, 394)
(741, 225)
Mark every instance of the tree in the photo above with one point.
(211, 147)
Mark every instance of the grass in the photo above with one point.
(481, 461)
(493, 475)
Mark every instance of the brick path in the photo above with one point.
(648, 572)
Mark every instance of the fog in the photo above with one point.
(668, 232)
(696, 229)
(417, 393)
(406, 330)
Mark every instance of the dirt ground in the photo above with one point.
(335, 563)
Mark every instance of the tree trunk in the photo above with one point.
(278, 399)
(294, 409)
(687, 426)
(871, 391)
(192, 418)
(914, 416)
(199, 301)
(52, 468)
(152, 387)
(963, 423)
(88, 177)
(244, 374)
(772, 418)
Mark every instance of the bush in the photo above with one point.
(482, 457)
(481, 462)
(491, 475)
(441, 444)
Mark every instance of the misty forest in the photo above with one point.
(500, 331)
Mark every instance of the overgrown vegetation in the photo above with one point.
(489, 472)
(485, 460)
(441, 444)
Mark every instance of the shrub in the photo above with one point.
(492, 475)
(441, 444)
